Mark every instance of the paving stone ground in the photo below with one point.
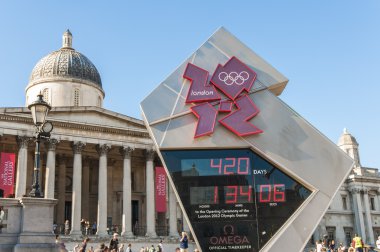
(169, 246)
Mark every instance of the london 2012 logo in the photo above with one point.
(231, 79)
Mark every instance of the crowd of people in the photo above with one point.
(115, 246)
(357, 245)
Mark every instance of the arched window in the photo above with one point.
(45, 93)
(76, 97)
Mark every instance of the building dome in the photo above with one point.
(347, 139)
(66, 78)
(66, 63)
(349, 145)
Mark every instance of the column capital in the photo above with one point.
(126, 151)
(78, 147)
(355, 190)
(23, 141)
(149, 154)
(103, 149)
(51, 144)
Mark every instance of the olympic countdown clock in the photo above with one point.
(246, 169)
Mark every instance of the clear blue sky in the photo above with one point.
(329, 50)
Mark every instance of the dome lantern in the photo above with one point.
(67, 39)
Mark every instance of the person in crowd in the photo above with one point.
(183, 242)
(82, 225)
(341, 248)
(152, 249)
(142, 249)
(177, 250)
(378, 243)
(83, 246)
(129, 248)
(67, 227)
(87, 227)
(114, 243)
(2, 217)
(59, 244)
(351, 249)
(332, 246)
(94, 228)
(55, 228)
(318, 246)
(121, 248)
(101, 248)
(160, 247)
(196, 250)
(357, 243)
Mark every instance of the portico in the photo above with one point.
(99, 164)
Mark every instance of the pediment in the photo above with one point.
(88, 116)
(97, 117)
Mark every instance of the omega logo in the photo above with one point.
(229, 237)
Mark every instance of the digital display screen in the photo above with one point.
(235, 199)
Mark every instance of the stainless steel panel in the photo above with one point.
(295, 235)
(159, 104)
(288, 140)
(231, 46)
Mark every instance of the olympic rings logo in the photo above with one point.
(233, 78)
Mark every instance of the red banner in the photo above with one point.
(160, 190)
(7, 173)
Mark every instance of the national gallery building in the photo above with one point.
(99, 164)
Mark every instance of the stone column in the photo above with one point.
(102, 191)
(127, 192)
(358, 210)
(50, 168)
(369, 237)
(86, 188)
(150, 206)
(76, 210)
(378, 199)
(61, 189)
(22, 162)
(173, 232)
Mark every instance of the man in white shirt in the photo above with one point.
(318, 246)
(378, 242)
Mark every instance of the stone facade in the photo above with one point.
(98, 164)
(356, 206)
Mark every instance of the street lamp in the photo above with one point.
(39, 109)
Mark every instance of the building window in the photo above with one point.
(372, 203)
(344, 202)
(46, 95)
(76, 97)
(376, 231)
(348, 234)
(331, 233)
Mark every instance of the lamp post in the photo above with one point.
(39, 109)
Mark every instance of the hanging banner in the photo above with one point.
(160, 190)
(7, 169)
